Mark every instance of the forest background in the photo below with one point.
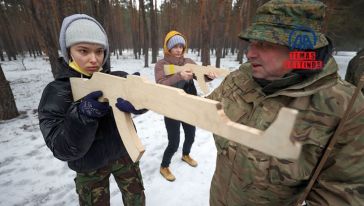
(31, 28)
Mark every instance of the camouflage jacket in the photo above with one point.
(244, 176)
(355, 69)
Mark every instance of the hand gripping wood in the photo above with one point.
(199, 71)
(175, 103)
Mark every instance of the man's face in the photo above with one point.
(267, 59)
(88, 56)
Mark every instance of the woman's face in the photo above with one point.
(88, 56)
(177, 50)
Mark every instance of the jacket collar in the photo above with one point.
(67, 71)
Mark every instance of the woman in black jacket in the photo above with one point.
(84, 133)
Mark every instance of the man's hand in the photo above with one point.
(186, 74)
(91, 107)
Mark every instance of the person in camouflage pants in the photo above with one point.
(93, 187)
(84, 132)
(355, 69)
(254, 94)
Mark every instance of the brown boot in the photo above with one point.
(166, 173)
(189, 160)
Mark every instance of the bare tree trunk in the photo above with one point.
(48, 27)
(154, 31)
(227, 27)
(174, 14)
(205, 34)
(133, 28)
(245, 19)
(140, 40)
(219, 30)
(146, 33)
(6, 35)
(116, 22)
(31, 39)
(8, 108)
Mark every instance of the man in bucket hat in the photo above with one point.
(290, 65)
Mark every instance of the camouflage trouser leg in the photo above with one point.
(93, 187)
(129, 179)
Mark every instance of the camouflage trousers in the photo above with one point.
(93, 187)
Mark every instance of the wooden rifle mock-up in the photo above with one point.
(176, 104)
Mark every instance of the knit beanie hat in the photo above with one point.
(79, 28)
(177, 39)
(84, 30)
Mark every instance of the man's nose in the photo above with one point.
(252, 52)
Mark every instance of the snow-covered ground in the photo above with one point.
(30, 175)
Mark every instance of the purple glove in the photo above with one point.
(127, 107)
(91, 107)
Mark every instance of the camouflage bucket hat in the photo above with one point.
(289, 22)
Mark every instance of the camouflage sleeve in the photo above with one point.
(342, 180)
(217, 94)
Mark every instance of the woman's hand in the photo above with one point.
(186, 74)
(211, 75)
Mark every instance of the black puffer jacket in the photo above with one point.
(85, 143)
